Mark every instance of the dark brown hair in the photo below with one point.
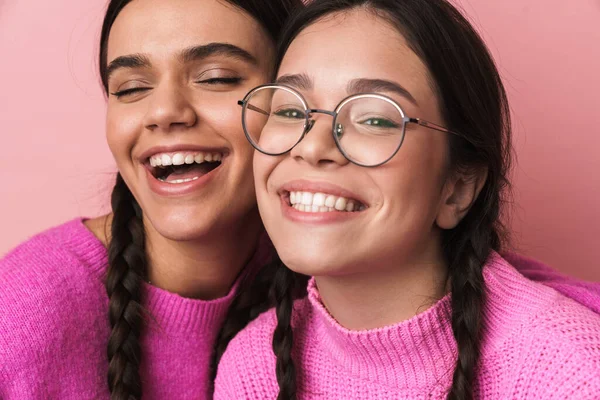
(473, 102)
(127, 252)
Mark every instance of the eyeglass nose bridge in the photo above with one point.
(311, 122)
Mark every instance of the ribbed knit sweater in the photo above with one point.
(54, 324)
(536, 344)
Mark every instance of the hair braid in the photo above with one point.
(467, 303)
(470, 245)
(127, 257)
(472, 101)
(250, 302)
(282, 295)
(127, 266)
(256, 297)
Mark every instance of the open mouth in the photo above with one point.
(183, 167)
(322, 202)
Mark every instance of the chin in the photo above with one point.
(314, 262)
(182, 226)
(201, 222)
(179, 233)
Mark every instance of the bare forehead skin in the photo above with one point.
(163, 28)
(356, 44)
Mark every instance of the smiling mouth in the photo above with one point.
(183, 167)
(322, 202)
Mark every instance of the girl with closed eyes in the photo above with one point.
(380, 172)
(128, 306)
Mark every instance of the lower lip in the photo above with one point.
(316, 217)
(180, 189)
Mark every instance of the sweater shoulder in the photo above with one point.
(584, 292)
(552, 354)
(49, 261)
(514, 302)
(54, 250)
(51, 292)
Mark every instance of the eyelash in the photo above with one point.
(126, 92)
(225, 81)
(212, 81)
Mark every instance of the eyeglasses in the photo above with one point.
(368, 129)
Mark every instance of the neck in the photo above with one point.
(204, 268)
(383, 296)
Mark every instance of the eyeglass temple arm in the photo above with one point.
(433, 126)
(251, 107)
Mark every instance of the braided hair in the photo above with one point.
(127, 261)
(127, 247)
(473, 101)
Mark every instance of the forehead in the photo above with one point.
(351, 45)
(161, 28)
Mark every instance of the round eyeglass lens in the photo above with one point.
(274, 119)
(369, 129)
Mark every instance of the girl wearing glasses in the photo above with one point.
(381, 172)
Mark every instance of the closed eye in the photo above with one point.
(127, 92)
(221, 81)
(212, 81)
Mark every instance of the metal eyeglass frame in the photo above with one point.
(308, 123)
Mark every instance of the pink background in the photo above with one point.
(55, 163)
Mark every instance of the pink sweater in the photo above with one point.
(54, 325)
(537, 344)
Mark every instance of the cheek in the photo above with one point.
(266, 193)
(122, 130)
(263, 167)
(412, 183)
(226, 121)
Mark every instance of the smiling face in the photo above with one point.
(173, 125)
(396, 209)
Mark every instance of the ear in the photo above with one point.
(459, 193)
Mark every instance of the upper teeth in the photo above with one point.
(321, 202)
(166, 159)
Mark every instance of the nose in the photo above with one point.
(318, 147)
(169, 108)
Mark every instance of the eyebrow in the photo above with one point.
(128, 61)
(304, 82)
(379, 85)
(195, 53)
(298, 81)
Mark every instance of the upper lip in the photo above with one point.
(303, 185)
(145, 156)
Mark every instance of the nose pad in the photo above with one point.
(311, 123)
(339, 130)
